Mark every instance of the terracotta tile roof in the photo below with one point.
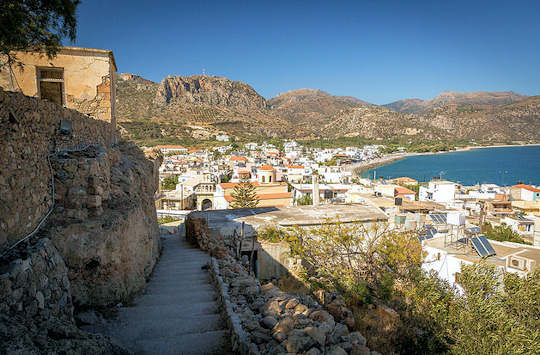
(295, 167)
(231, 185)
(266, 196)
(526, 187)
(403, 191)
(266, 167)
(244, 172)
(237, 158)
(169, 147)
(405, 178)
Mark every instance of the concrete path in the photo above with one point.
(178, 312)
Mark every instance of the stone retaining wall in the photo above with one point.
(29, 131)
(36, 309)
(265, 320)
(239, 338)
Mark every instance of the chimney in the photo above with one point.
(315, 194)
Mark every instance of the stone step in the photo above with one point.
(181, 276)
(152, 328)
(163, 312)
(215, 342)
(176, 299)
(179, 281)
(177, 262)
(173, 288)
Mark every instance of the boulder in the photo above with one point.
(268, 322)
(323, 317)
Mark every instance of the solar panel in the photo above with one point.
(430, 233)
(438, 218)
(487, 245)
(421, 238)
(473, 230)
(477, 244)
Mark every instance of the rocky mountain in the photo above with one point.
(193, 108)
(310, 109)
(488, 98)
(517, 121)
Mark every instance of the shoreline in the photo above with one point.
(358, 168)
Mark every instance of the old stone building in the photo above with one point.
(77, 78)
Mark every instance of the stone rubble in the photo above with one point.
(276, 322)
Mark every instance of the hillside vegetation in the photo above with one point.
(194, 109)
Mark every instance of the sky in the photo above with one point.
(379, 51)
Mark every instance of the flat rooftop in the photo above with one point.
(502, 250)
(258, 217)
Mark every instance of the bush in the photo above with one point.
(167, 219)
(305, 200)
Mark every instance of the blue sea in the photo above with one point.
(499, 165)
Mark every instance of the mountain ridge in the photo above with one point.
(490, 98)
(198, 107)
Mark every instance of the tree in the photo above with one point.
(244, 195)
(35, 24)
(341, 257)
(503, 233)
(169, 183)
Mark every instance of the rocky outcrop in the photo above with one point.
(105, 224)
(210, 90)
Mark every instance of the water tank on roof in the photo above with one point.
(455, 218)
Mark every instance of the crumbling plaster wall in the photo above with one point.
(87, 79)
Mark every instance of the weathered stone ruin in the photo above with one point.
(98, 240)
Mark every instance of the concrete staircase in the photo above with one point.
(178, 312)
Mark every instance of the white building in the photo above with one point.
(521, 225)
(438, 191)
(222, 138)
(447, 260)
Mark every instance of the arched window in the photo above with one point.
(270, 179)
(263, 180)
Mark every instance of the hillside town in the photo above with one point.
(237, 237)
(447, 216)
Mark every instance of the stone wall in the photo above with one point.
(29, 131)
(36, 309)
(98, 245)
(105, 224)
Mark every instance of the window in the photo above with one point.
(263, 180)
(270, 179)
(51, 84)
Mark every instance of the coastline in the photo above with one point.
(358, 168)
